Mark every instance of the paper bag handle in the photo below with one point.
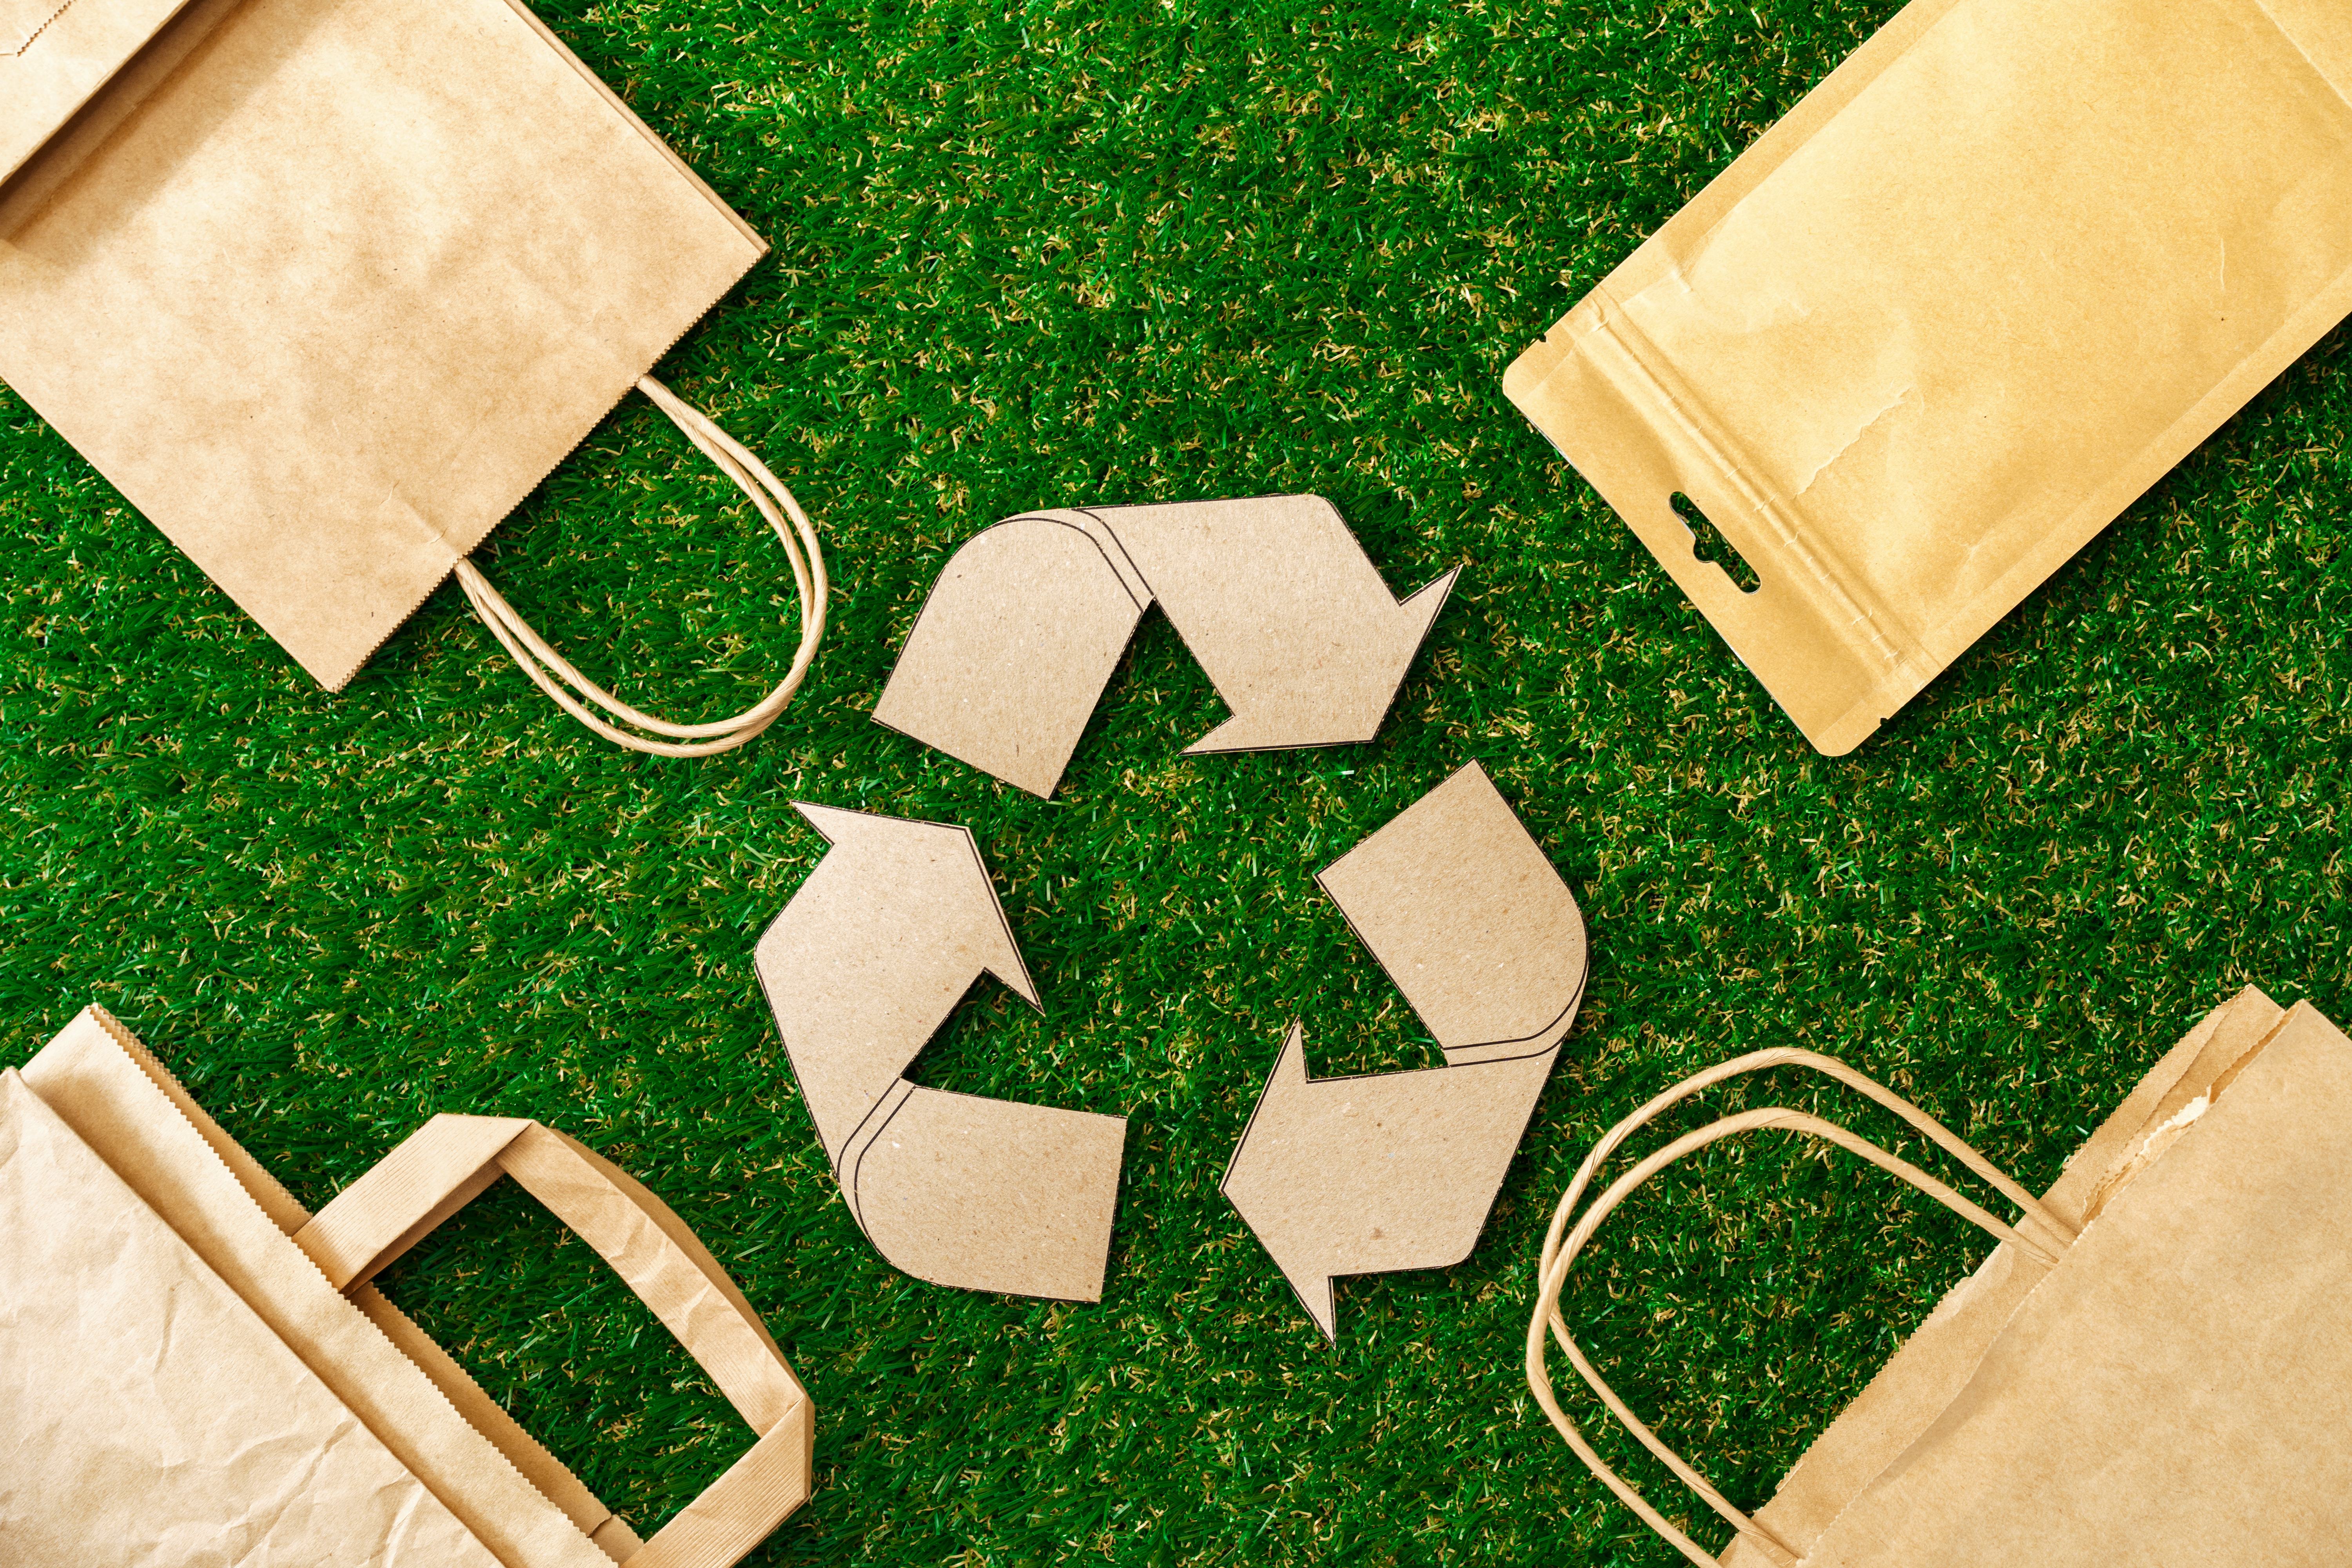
(449, 1161)
(1561, 1254)
(553, 673)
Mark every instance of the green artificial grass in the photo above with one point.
(1122, 251)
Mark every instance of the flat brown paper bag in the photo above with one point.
(2152, 1368)
(1940, 326)
(196, 1370)
(326, 286)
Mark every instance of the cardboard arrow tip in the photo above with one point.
(1317, 1297)
(1280, 729)
(1289, 1071)
(1253, 1166)
(826, 819)
(1432, 595)
(841, 825)
(1291, 1067)
(1015, 976)
(1242, 733)
(1353, 712)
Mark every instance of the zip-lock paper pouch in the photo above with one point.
(326, 286)
(1938, 327)
(196, 1370)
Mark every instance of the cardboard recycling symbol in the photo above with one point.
(1271, 595)
(1339, 1176)
(894, 925)
(1395, 1171)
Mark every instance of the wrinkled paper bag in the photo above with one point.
(2170, 1387)
(194, 1369)
(325, 287)
(1985, 285)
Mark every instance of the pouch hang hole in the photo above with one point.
(1709, 544)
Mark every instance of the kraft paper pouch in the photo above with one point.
(196, 1371)
(326, 286)
(2151, 1367)
(1932, 332)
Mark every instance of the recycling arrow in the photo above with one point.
(873, 953)
(1372, 1174)
(1273, 596)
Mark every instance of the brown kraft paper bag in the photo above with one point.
(1935, 328)
(325, 287)
(2151, 1367)
(196, 1371)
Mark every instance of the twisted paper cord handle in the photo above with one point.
(1559, 1255)
(555, 675)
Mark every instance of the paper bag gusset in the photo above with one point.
(197, 1369)
(325, 288)
(2152, 1366)
(1940, 326)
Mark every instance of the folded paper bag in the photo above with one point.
(2151, 1367)
(1940, 326)
(196, 1371)
(326, 286)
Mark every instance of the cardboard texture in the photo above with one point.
(325, 287)
(1384, 1172)
(1980, 290)
(1271, 595)
(878, 946)
(197, 1371)
(2168, 1386)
